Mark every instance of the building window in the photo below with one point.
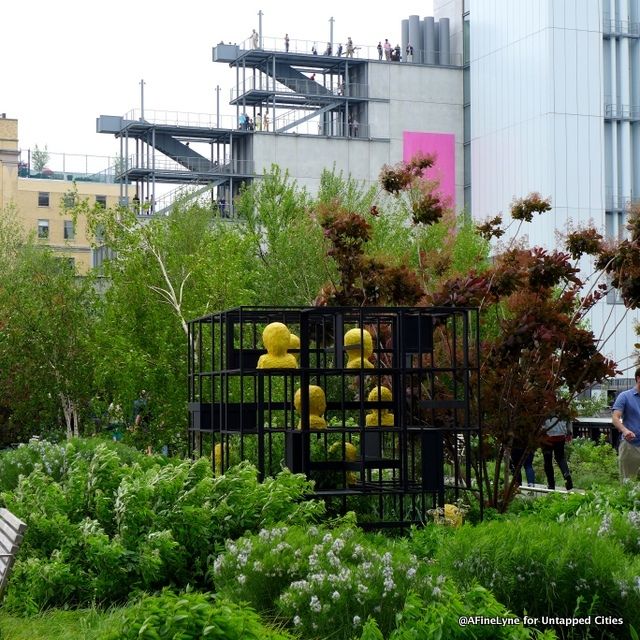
(101, 201)
(43, 228)
(43, 198)
(69, 230)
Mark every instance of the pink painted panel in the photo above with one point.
(444, 148)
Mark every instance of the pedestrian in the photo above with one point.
(398, 53)
(409, 53)
(355, 125)
(350, 48)
(387, 50)
(518, 455)
(259, 121)
(626, 419)
(136, 204)
(254, 38)
(265, 122)
(314, 51)
(328, 50)
(379, 48)
(556, 435)
(339, 52)
(286, 42)
(222, 205)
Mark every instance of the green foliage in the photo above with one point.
(39, 158)
(325, 581)
(592, 463)
(537, 567)
(190, 615)
(286, 244)
(102, 529)
(440, 618)
(174, 268)
(44, 371)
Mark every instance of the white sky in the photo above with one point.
(66, 62)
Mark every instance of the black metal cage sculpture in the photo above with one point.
(377, 405)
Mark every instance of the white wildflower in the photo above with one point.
(296, 621)
(356, 621)
(335, 595)
(242, 578)
(314, 604)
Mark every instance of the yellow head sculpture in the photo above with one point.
(294, 344)
(380, 417)
(358, 344)
(317, 407)
(350, 455)
(276, 337)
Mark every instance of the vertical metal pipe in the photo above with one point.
(429, 40)
(218, 106)
(415, 35)
(142, 99)
(445, 57)
(405, 37)
(331, 21)
(260, 14)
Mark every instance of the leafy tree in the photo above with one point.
(45, 324)
(287, 243)
(164, 273)
(534, 344)
(39, 158)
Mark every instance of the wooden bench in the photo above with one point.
(11, 531)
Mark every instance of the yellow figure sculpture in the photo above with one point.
(317, 407)
(350, 455)
(358, 344)
(217, 456)
(294, 344)
(380, 417)
(276, 337)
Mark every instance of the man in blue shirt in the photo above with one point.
(626, 419)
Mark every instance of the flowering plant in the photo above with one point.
(325, 581)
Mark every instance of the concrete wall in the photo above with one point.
(305, 157)
(404, 98)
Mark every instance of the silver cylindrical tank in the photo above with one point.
(415, 38)
(405, 37)
(429, 52)
(443, 25)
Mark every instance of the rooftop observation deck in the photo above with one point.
(71, 167)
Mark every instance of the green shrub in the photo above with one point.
(441, 618)
(546, 568)
(190, 615)
(325, 581)
(113, 528)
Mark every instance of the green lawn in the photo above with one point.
(55, 624)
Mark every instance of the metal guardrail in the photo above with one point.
(620, 27)
(67, 166)
(317, 127)
(622, 111)
(181, 163)
(618, 202)
(309, 87)
(183, 118)
(360, 51)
